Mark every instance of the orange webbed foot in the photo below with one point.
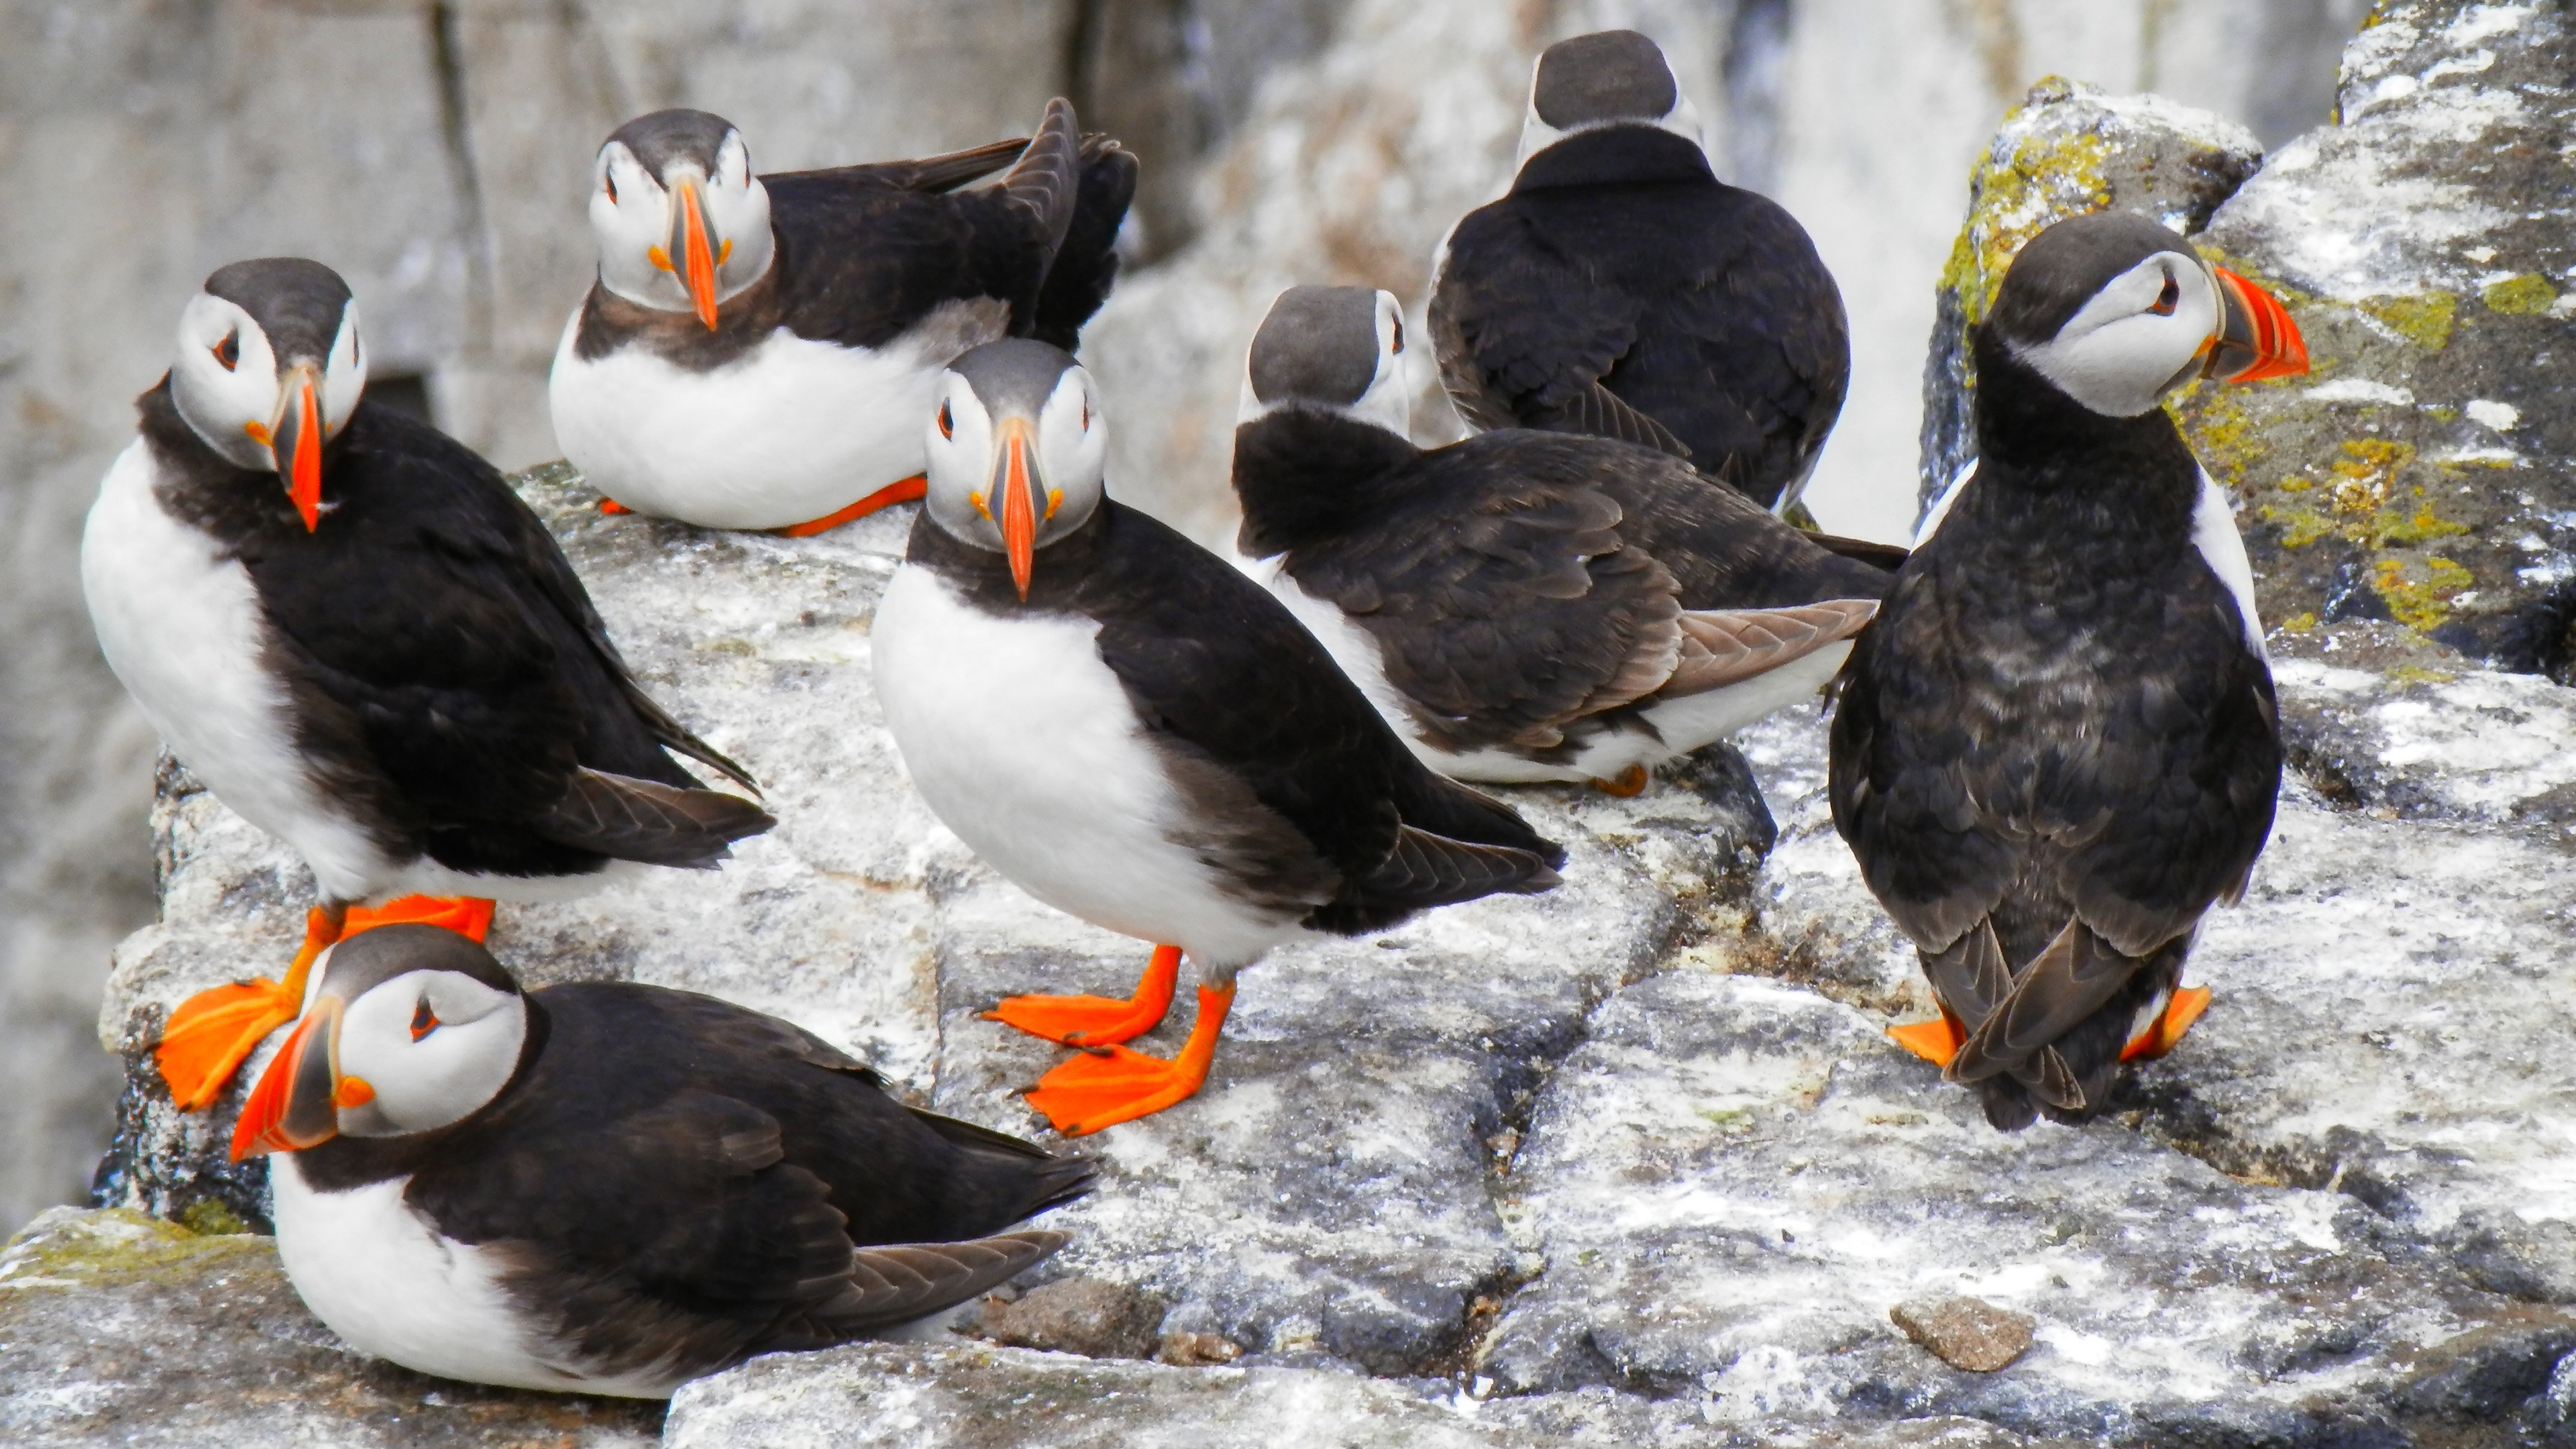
(1628, 782)
(910, 490)
(1109, 1085)
(612, 507)
(212, 1033)
(2163, 1034)
(467, 916)
(1935, 1041)
(1086, 1021)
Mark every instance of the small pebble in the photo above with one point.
(1966, 1333)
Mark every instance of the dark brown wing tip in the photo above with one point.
(1047, 177)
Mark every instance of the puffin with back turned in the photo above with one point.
(348, 626)
(607, 1187)
(1134, 733)
(1620, 289)
(1520, 606)
(2058, 746)
(759, 351)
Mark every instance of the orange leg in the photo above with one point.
(1935, 1041)
(910, 490)
(612, 507)
(1630, 781)
(2163, 1034)
(1109, 1085)
(1097, 1020)
(211, 1033)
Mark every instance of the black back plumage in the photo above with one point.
(865, 252)
(1308, 798)
(2055, 749)
(1517, 582)
(1620, 289)
(676, 1182)
(450, 680)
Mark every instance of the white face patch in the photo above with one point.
(1388, 402)
(631, 220)
(434, 1046)
(224, 379)
(1069, 466)
(2138, 337)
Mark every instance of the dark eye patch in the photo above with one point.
(228, 351)
(2169, 298)
(423, 1020)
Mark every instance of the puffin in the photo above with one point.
(2057, 747)
(1130, 730)
(606, 1187)
(1618, 288)
(346, 624)
(757, 352)
(1521, 606)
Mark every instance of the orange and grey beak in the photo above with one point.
(2256, 338)
(295, 441)
(297, 1101)
(693, 253)
(1015, 496)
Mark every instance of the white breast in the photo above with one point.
(1024, 743)
(381, 1277)
(792, 431)
(2213, 532)
(182, 627)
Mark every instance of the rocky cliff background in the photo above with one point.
(436, 153)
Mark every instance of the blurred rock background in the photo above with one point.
(437, 154)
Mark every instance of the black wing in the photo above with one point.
(1086, 265)
(1697, 306)
(441, 644)
(678, 1180)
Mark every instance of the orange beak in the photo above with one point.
(295, 1104)
(296, 444)
(693, 241)
(2256, 338)
(1017, 495)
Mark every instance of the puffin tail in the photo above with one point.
(643, 820)
(1086, 265)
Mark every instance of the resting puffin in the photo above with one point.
(1620, 289)
(362, 641)
(607, 1187)
(2057, 748)
(759, 351)
(1134, 733)
(1520, 606)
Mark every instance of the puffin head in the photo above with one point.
(2115, 311)
(682, 224)
(1018, 450)
(408, 1028)
(1332, 349)
(1607, 78)
(269, 369)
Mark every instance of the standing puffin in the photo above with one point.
(362, 641)
(758, 352)
(1620, 289)
(1522, 605)
(606, 1187)
(1134, 733)
(2057, 748)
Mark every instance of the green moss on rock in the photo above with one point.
(2526, 295)
(2423, 318)
(118, 1245)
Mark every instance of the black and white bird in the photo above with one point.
(608, 1187)
(1620, 289)
(759, 351)
(358, 637)
(2057, 748)
(1520, 606)
(1134, 733)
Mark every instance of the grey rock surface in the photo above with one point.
(121, 1329)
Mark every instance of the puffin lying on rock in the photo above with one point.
(759, 351)
(1136, 734)
(2057, 748)
(608, 1187)
(1520, 606)
(1620, 289)
(365, 644)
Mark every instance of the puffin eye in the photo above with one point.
(423, 1020)
(947, 423)
(1086, 414)
(228, 351)
(611, 183)
(1399, 334)
(2167, 299)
